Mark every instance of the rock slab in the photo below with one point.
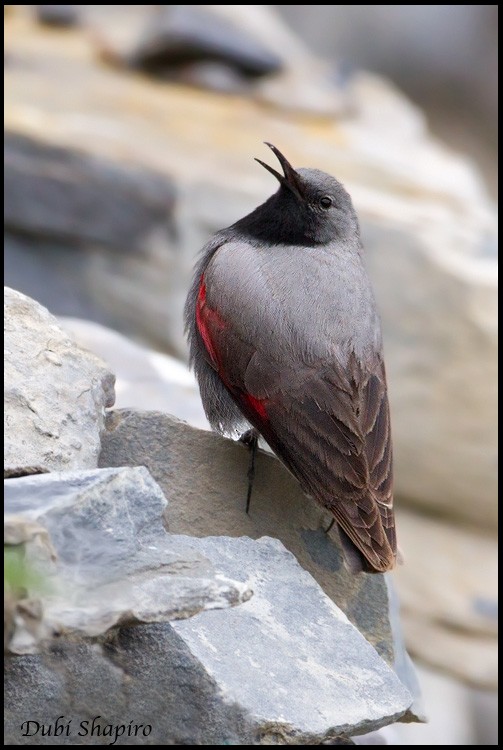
(291, 656)
(290, 670)
(96, 541)
(55, 393)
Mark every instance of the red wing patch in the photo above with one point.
(209, 323)
(205, 317)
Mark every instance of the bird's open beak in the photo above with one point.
(290, 178)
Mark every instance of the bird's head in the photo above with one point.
(310, 204)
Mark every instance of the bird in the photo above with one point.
(285, 342)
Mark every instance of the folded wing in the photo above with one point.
(329, 425)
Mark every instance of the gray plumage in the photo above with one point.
(284, 335)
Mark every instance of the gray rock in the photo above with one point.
(63, 195)
(291, 670)
(63, 256)
(177, 34)
(204, 478)
(292, 658)
(38, 267)
(54, 393)
(73, 680)
(57, 15)
(106, 558)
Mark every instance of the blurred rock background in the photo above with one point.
(443, 56)
(130, 133)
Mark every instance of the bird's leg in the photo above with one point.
(330, 525)
(250, 438)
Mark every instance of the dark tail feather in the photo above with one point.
(355, 561)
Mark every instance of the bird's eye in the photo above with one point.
(326, 201)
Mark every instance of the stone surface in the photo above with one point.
(81, 200)
(176, 34)
(57, 15)
(428, 228)
(55, 393)
(204, 479)
(58, 276)
(144, 378)
(105, 558)
(289, 670)
(449, 597)
(291, 657)
(131, 228)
